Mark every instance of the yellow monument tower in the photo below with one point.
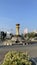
(17, 29)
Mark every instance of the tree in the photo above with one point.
(30, 35)
(11, 35)
(3, 35)
(16, 58)
(22, 35)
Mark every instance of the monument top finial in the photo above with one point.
(17, 24)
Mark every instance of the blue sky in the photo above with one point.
(23, 12)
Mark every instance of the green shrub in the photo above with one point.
(16, 58)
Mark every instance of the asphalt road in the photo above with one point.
(30, 49)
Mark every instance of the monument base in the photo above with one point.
(18, 39)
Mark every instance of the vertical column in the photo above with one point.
(17, 29)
